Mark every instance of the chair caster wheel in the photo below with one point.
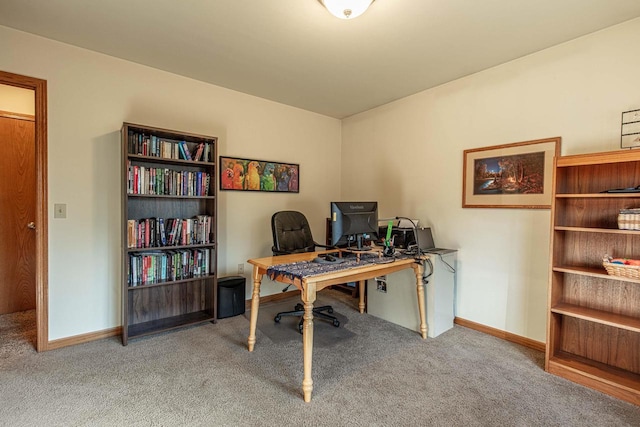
(330, 311)
(336, 323)
(277, 319)
(299, 307)
(300, 328)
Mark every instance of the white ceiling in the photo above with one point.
(296, 53)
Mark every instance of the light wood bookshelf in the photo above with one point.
(593, 328)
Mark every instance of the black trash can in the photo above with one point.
(231, 291)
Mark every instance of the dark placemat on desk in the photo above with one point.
(302, 269)
(324, 333)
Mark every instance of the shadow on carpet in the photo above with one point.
(324, 333)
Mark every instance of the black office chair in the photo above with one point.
(291, 235)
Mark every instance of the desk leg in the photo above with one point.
(255, 304)
(419, 269)
(361, 291)
(308, 298)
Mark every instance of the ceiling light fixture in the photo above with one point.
(346, 9)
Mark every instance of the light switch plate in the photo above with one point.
(60, 210)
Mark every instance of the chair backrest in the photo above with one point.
(291, 233)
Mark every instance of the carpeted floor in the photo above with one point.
(381, 375)
(325, 334)
(17, 334)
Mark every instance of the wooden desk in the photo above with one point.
(311, 285)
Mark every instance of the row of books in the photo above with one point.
(153, 146)
(148, 268)
(159, 232)
(165, 181)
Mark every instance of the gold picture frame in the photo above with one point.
(517, 175)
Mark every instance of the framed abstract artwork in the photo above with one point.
(258, 175)
(518, 175)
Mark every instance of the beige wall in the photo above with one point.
(410, 155)
(407, 155)
(89, 97)
(17, 100)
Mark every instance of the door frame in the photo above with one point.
(39, 86)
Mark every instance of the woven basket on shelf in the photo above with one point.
(629, 219)
(629, 271)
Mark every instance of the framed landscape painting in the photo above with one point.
(518, 175)
(258, 175)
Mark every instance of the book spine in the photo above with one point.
(136, 179)
(129, 177)
(185, 148)
(171, 261)
(131, 237)
(143, 175)
(163, 270)
(146, 233)
(152, 233)
(199, 151)
(162, 236)
(176, 231)
(130, 274)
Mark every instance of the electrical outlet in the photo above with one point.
(240, 268)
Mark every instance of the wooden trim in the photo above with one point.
(42, 223)
(599, 158)
(42, 252)
(508, 336)
(18, 116)
(84, 338)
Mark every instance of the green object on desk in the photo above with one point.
(387, 241)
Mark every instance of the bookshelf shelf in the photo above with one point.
(165, 196)
(598, 230)
(599, 196)
(154, 159)
(171, 248)
(168, 207)
(593, 272)
(168, 323)
(171, 282)
(593, 335)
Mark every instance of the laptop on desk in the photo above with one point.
(425, 240)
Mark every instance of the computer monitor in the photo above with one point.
(352, 222)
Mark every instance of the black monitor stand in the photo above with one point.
(360, 246)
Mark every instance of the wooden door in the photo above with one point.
(17, 211)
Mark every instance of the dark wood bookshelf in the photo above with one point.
(171, 282)
(166, 196)
(169, 248)
(149, 308)
(155, 159)
(168, 323)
